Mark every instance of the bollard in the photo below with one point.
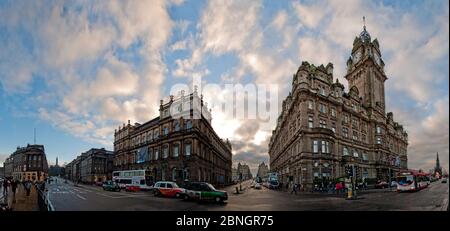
(237, 190)
(240, 187)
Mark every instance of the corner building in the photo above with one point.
(178, 145)
(322, 129)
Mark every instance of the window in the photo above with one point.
(355, 153)
(166, 113)
(345, 118)
(345, 132)
(355, 135)
(187, 149)
(378, 130)
(165, 131)
(354, 123)
(345, 151)
(333, 127)
(176, 126)
(363, 138)
(325, 147)
(316, 164)
(323, 108)
(378, 140)
(310, 122)
(310, 105)
(322, 91)
(175, 150)
(156, 134)
(149, 136)
(365, 157)
(156, 153)
(315, 146)
(316, 174)
(165, 151)
(323, 124)
(333, 112)
(188, 124)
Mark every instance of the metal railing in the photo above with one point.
(43, 199)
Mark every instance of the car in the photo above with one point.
(203, 191)
(99, 183)
(381, 185)
(444, 180)
(167, 188)
(111, 186)
(257, 186)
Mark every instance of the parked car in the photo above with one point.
(167, 188)
(111, 186)
(381, 184)
(99, 183)
(203, 191)
(132, 188)
(444, 180)
(257, 186)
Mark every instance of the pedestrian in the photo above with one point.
(28, 187)
(294, 189)
(14, 187)
(5, 187)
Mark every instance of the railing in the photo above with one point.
(43, 199)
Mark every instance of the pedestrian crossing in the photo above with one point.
(83, 193)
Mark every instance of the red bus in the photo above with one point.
(412, 180)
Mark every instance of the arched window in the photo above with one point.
(188, 124)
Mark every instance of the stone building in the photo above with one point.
(178, 145)
(263, 171)
(243, 172)
(95, 165)
(27, 163)
(322, 129)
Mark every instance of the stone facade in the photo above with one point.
(323, 129)
(28, 162)
(263, 171)
(95, 165)
(243, 172)
(178, 145)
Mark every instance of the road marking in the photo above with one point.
(81, 197)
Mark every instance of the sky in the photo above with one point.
(77, 70)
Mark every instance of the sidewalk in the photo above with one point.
(22, 202)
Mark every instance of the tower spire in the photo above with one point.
(364, 22)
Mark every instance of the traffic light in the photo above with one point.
(349, 171)
(358, 172)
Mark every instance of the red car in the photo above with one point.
(168, 189)
(382, 184)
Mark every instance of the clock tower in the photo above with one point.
(365, 71)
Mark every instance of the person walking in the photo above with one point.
(294, 189)
(14, 187)
(5, 187)
(28, 187)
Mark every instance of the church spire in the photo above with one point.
(437, 160)
(364, 22)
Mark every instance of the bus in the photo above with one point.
(412, 180)
(140, 178)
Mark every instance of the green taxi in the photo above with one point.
(111, 186)
(203, 191)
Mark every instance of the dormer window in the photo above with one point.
(322, 91)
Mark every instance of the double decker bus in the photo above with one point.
(412, 180)
(141, 178)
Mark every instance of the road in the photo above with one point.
(67, 197)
